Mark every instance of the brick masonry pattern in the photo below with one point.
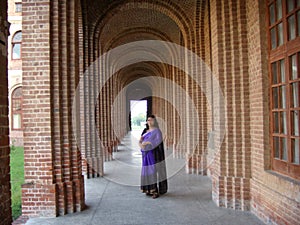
(230, 36)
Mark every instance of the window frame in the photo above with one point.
(18, 5)
(13, 43)
(283, 52)
(15, 112)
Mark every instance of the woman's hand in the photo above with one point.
(144, 144)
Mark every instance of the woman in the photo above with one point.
(153, 160)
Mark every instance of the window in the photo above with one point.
(18, 7)
(16, 102)
(284, 67)
(16, 45)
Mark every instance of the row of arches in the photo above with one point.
(94, 51)
(78, 40)
(182, 29)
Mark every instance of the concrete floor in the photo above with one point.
(116, 200)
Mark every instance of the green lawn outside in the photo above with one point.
(137, 127)
(17, 179)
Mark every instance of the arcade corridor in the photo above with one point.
(222, 78)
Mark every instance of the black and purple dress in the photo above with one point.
(153, 164)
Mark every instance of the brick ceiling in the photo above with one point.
(151, 19)
(115, 22)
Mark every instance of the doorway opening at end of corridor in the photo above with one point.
(138, 114)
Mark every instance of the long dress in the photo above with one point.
(153, 164)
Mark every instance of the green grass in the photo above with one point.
(134, 127)
(17, 179)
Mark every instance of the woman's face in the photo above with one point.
(150, 121)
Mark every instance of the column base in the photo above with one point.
(39, 200)
(196, 164)
(231, 192)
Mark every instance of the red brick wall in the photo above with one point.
(274, 198)
(54, 183)
(5, 195)
(38, 192)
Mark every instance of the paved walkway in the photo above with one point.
(111, 202)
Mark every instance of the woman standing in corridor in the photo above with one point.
(153, 160)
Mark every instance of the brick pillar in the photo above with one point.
(197, 162)
(39, 193)
(93, 150)
(176, 129)
(180, 149)
(169, 89)
(5, 194)
(88, 150)
(232, 168)
(53, 180)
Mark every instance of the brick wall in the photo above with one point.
(5, 195)
(38, 192)
(274, 198)
(53, 179)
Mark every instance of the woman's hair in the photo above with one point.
(155, 120)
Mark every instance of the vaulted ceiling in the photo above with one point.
(119, 21)
(111, 23)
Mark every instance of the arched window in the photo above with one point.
(17, 102)
(16, 45)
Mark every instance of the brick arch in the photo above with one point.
(133, 72)
(130, 93)
(174, 12)
(150, 20)
(143, 32)
(169, 9)
(119, 81)
(186, 38)
(140, 70)
(154, 53)
(151, 70)
(166, 74)
(159, 105)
